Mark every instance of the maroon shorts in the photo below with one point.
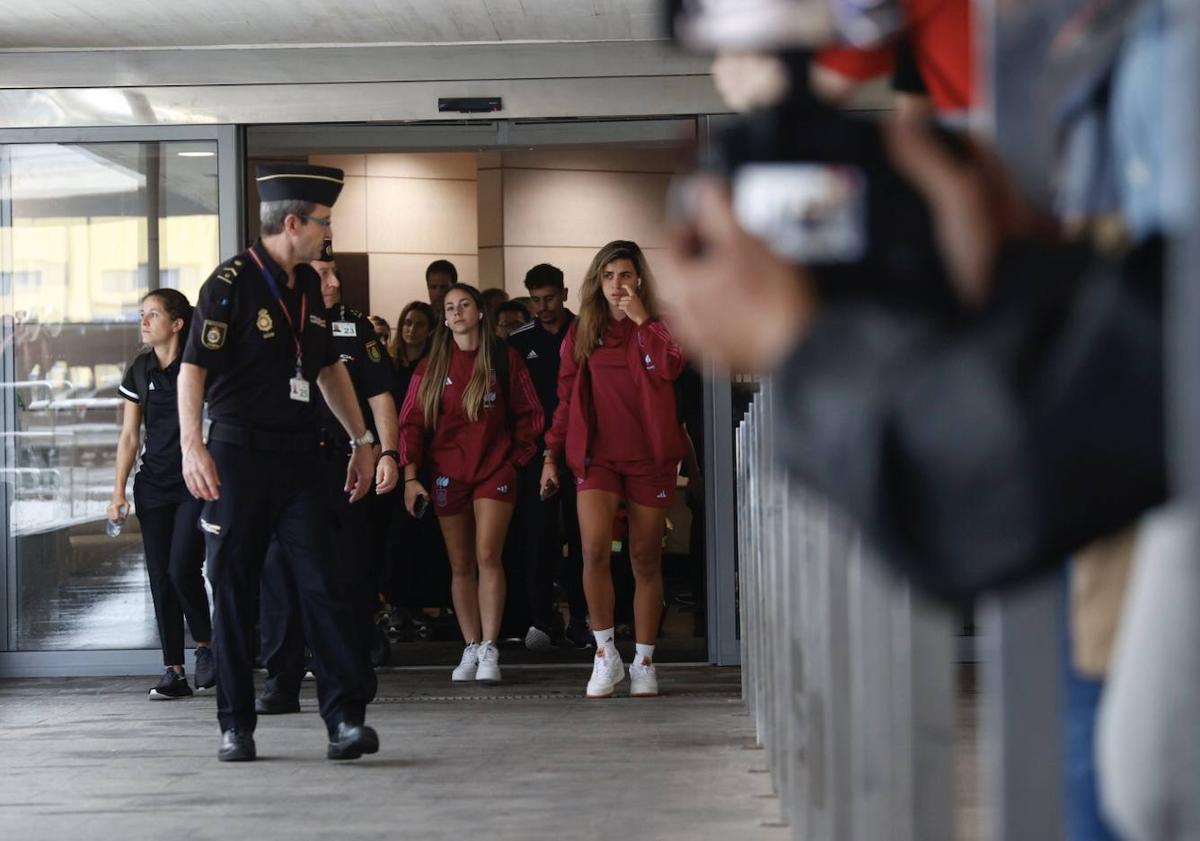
(454, 496)
(644, 482)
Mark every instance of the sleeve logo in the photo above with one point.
(373, 352)
(213, 335)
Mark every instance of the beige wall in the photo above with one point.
(405, 211)
(560, 207)
(494, 214)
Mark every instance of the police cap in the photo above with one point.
(300, 182)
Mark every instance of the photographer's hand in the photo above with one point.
(728, 297)
(973, 203)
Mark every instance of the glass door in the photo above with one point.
(88, 226)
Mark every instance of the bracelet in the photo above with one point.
(391, 453)
(413, 479)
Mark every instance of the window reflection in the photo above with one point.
(85, 231)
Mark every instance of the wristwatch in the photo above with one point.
(364, 440)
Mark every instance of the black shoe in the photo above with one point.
(578, 636)
(173, 685)
(350, 741)
(274, 702)
(236, 746)
(206, 669)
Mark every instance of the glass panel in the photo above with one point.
(85, 231)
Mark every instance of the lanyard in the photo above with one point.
(279, 298)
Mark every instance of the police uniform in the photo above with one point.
(536, 543)
(359, 349)
(263, 345)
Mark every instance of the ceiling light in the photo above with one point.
(195, 154)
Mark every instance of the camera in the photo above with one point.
(816, 186)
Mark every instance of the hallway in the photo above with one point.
(92, 758)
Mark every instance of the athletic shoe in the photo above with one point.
(489, 664)
(536, 639)
(468, 665)
(206, 668)
(607, 672)
(643, 679)
(578, 636)
(173, 685)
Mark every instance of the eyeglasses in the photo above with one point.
(324, 223)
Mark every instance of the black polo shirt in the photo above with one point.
(540, 349)
(355, 343)
(242, 336)
(159, 477)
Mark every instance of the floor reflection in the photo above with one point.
(106, 605)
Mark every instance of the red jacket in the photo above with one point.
(471, 451)
(655, 362)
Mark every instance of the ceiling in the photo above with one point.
(124, 24)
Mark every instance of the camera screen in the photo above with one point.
(807, 213)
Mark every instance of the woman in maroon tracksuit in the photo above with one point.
(617, 422)
(476, 432)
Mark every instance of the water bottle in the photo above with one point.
(113, 527)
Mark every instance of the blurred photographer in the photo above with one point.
(951, 374)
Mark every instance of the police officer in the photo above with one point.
(365, 357)
(535, 528)
(261, 344)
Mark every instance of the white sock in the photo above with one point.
(645, 651)
(604, 637)
(486, 643)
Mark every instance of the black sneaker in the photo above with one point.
(206, 669)
(173, 685)
(578, 636)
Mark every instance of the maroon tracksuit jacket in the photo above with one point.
(471, 451)
(654, 361)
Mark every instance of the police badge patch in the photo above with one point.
(373, 351)
(264, 322)
(213, 335)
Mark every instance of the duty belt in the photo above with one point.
(262, 439)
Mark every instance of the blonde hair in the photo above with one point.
(440, 354)
(593, 308)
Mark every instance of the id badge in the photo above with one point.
(345, 328)
(299, 389)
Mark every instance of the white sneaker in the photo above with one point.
(468, 665)
(643, 679)
(607, 672)
(536, 639)
(489, 663)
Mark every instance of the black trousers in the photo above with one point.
(174, 548)
(570, 575)
(269, 496)
(355, 581)
(534, 549)
(534, 553)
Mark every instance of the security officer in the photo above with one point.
(260, 342)
(358, 347)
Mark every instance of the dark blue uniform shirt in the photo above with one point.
(242, 337)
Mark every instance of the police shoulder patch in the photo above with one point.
(213, 334)
(373, 351)
(229, 270)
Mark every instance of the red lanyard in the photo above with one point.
(279, 298)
